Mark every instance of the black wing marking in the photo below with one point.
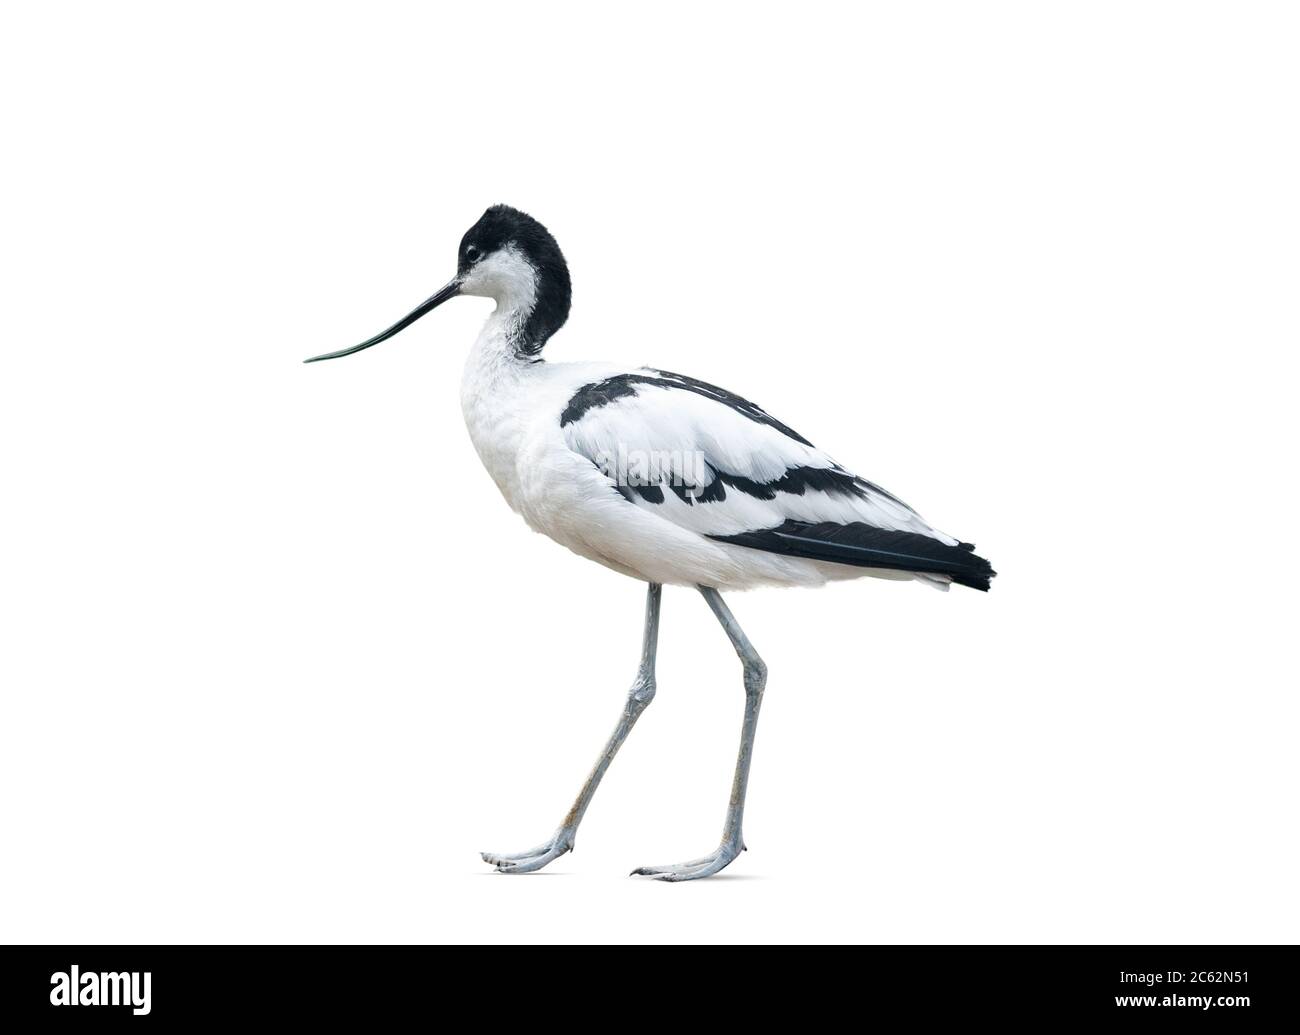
(866, 546)
(602, 393)
(795, 481)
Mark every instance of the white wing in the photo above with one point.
(714, 463)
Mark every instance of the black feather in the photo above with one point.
(796, 481)
(602, 393)
(867, 546)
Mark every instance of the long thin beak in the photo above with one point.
(432, 302)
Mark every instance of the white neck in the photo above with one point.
(493, 392)
(507, 277)
(495, 363)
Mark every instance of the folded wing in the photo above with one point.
(716, 464)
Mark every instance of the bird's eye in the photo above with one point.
(471, 253)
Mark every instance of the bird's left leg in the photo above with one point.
(755, 675)
(641, 694)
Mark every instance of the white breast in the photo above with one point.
(512, 411)
(490, 398)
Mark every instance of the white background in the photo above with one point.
(278, 661)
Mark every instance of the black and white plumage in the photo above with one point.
(661, 477)
(741, 478)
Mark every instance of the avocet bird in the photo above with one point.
(663, 478)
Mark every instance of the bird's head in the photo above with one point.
(510, 257)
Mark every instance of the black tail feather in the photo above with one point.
(866, 546)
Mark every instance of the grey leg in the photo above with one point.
(641, 694)
(755, 675)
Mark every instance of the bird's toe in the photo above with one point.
(533, 859)
(494, 858)
(706, 866)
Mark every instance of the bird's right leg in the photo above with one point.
(641, 694)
